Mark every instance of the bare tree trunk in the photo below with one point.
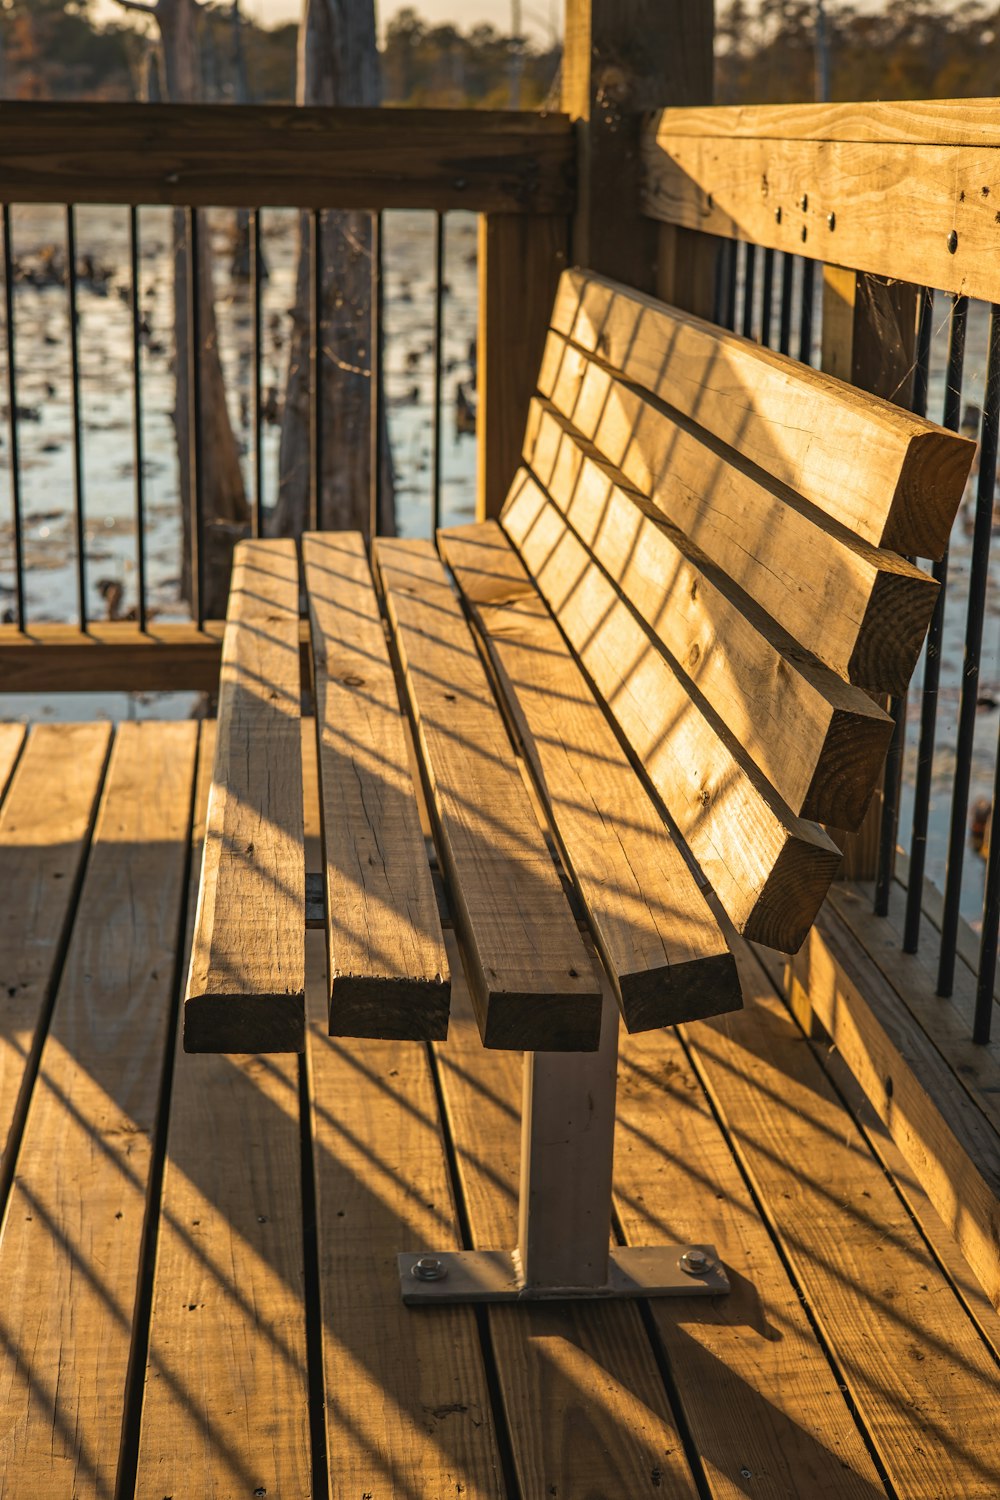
(338, 64)
(223, 498)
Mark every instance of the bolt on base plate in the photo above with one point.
(495, 1276)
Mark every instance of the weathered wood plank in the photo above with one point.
(225, 1409)
(924, 1385)
(661, 946)
(586, 1410)
(45, 824)
(268, 156)
(787, 1428)
(11, 743)
(245, 986)
(113, 656)
(72, 1236)
(531, 977)
(769, 869)
(901, 122)
(920, 212)
(799, 567)
(407, 1406)
(819, 741)
(520, 260)
(938, 1128)
(890, 477)
(386, 961)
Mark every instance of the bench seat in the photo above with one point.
(661, 659)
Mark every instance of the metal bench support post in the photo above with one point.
(564, 1226)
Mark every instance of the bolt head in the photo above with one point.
(831, 220)
(695, 1262)
(952, 241)
(429, 1268)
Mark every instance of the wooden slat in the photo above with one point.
(520, 260)
(890, 477)
(407, 1405)
(387, 965)
(115, 656)
(269, 156)
(818, 741)
(45, 824)
(586, 1411)
(11, 743)
(661, 947)
(72, 1236)
(935, 1124)
(900, 122)
(531, 978)
(752, 1354)
(923, 1383)
(887, 207)
(245, 990)
(769, 869)
(225, 1409)
(862, 610)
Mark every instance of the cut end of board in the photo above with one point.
(534, 1022)
(679, 993)
(245, 1024)
(390, 1010)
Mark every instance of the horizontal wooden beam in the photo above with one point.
(246, 156)
(904, 191)
(110, 657)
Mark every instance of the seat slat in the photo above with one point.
(73, 1233)
(819, 741)
(662, 948)
(246, 987)
(45, 823)
(11, 741)
(862, 610)
(769, 869)
(529, 972)
(388, 968)
(892, 478)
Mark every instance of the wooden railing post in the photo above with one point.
(869, 340)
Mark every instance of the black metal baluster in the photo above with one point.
(806, 323)
(375, 365)
(438, 351)
(749, 278)
(767, 299)
(932, 658)
(15, 463)
(787, 289)
(138, 456)
(74, 367)
(195, 420)
(258, 448)
(889, 821)
(315, 369)
(978, 578)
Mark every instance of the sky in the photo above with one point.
(539, 17)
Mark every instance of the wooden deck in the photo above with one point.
(197, 1265)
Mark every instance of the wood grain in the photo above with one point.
(769, 869)
(73, 1232)
(225, 1410)
(661, 947)
(269, 156)
(45, 825)
(923, 1383)
(890, 477)
(752, 1354)
(530, 975)
(873, 606)
(386, 960)
(115, 656)
(902, 122)
(884, 207)
(245, 986)
(819, 741)
(585, 1407)
(11, 743)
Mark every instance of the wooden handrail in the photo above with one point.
(247, 156)
(908, 191)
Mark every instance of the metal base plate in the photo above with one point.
(495, 1276)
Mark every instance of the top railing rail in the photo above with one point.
(273, 156)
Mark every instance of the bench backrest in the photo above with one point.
(718, 531)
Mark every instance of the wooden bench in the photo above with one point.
(658, 664)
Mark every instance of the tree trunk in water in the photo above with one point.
(338, 65)
(223, 500)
